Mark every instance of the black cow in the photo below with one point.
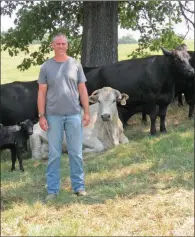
(149, 82)
(88, 69)
(18, 102)
(186, 88)
(15, 138)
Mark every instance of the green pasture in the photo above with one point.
(144, 188)
(9, 71)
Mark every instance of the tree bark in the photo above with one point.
(100, 33)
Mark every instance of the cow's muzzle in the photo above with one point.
(106, 117)
(30, 132)
(190, 72)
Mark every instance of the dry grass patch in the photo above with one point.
(143, 215)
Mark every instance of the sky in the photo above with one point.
(7, 22)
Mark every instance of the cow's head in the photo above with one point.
(27, 126)
(181, 59)
(107, 99)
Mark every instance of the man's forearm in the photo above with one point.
(84, 99)
(41, 103)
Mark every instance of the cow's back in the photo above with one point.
(142, 79)
(18, 102)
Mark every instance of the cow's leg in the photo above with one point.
(26, 146)
(20, 160)
(162, 115)
(124, 115)
(144, 118)
(93, 144)
(13, 156)
(44, 150)
(123, 139)
(153, 116)
(191, 111)
(180, 100)
(189, 97)
(35, 145)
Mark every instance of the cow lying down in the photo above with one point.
(39, 143)
(104, 131)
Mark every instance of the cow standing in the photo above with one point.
(186, 88)
(15, 138)
(18, 102)
(149, 83)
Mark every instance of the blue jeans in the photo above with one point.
(74, 136)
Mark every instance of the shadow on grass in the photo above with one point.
(144, 166)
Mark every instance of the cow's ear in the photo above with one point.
(93, 99)
(124, 98)
(166, 52)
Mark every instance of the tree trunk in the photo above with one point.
(100, 33)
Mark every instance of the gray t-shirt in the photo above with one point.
(62, 79)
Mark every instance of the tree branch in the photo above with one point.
(187, 31)
(185, 8)
(183, 13)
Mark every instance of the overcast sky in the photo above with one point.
(7, 22)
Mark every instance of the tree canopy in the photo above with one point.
(37, 19)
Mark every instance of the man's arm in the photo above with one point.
(42, 98)
(84, 102)
(41, 102)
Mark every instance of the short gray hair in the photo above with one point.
(59, 35)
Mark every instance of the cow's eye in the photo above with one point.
(114, 101)
(98, 101)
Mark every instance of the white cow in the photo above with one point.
(104, 131)
(39, 143)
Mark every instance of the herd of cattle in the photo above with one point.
(117, 92)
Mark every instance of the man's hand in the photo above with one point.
(43, 123)
(86, 119)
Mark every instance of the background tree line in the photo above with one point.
(127, 39)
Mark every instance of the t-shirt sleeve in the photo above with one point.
(42, 75)
(81, 75)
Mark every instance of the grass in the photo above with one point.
(144, 188)
(126, 49)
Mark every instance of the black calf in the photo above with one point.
(15, 138)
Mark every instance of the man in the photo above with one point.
(61, 85)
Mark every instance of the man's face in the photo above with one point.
(60, 45)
